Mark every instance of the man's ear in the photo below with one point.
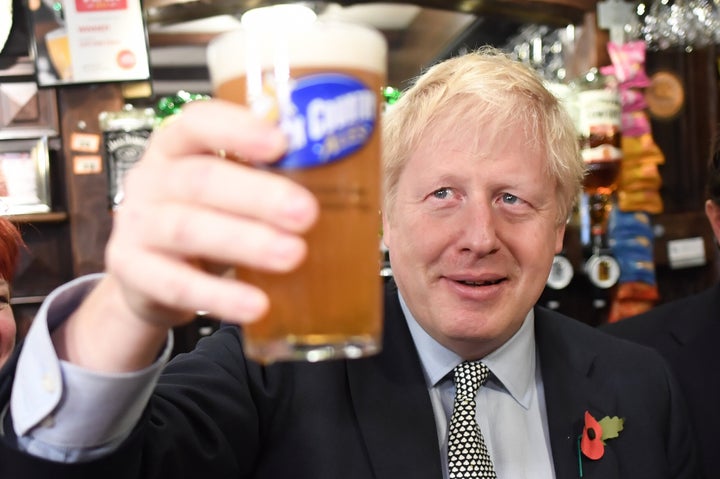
(386, 230)
(559, 238)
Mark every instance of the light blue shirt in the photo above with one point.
(65, 413)
(510, 406)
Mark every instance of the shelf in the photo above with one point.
(52, 217)
(27, 300)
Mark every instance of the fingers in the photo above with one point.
(184, 206)
(230, 187)
(159, 288)
(193, 232)
(210, 126)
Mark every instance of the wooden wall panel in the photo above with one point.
(88, 206)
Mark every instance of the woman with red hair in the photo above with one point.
(10, 244)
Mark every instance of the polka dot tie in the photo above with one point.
(467, 454)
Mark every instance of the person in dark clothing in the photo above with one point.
(686, 332)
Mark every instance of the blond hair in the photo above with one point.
(484, 87)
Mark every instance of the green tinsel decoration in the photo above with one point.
(168, 106)
(391, 94)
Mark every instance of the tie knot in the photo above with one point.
(468, 377)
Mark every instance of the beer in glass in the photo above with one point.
(321, 81)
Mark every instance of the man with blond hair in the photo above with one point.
(481, 169)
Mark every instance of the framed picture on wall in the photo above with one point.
(24, 177)
(88, 41)
(26, 111)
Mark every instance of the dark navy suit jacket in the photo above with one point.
(217, 415)
(687, 333)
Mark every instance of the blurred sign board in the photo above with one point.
(89, 41)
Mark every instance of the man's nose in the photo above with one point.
(478, 228)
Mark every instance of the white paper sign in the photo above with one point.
(686, 252)
(107, 40)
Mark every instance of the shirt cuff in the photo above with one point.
(61, 405)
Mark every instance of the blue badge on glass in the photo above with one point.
(330, 117)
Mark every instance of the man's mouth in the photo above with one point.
(482, 283)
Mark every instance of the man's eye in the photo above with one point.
(510, 199)
(4, 299)
(441, 193)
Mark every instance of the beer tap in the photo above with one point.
(599, 124)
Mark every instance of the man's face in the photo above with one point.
(7, 323)
(472, 235)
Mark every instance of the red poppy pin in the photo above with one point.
(591, 442)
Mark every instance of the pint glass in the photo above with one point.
(58, 47)
(321, 81)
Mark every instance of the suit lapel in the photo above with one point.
(396, 419)
(393, 406)
(569, 392)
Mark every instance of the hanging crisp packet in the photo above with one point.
(642, 200)
(628, 59)
(641, 145)
(635, 123)
(632, 99)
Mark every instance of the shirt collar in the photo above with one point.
(513, 364)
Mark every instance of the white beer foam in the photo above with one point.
(280, 16)
(344, 45)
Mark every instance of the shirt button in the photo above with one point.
(48, 383)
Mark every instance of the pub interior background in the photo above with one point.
(70, 131)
